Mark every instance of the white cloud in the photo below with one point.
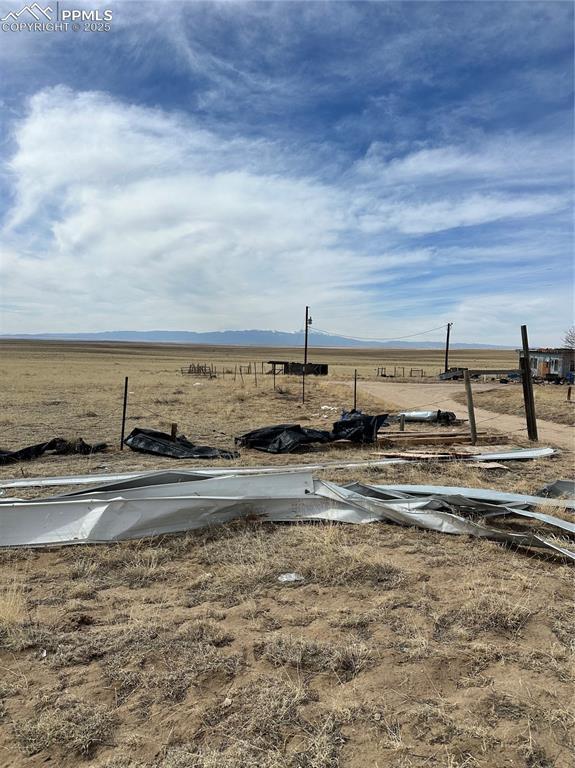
(509, 159)
(414, 218)
(136, 218)
(126, 217)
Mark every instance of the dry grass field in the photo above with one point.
(550, 402)
(399, 648)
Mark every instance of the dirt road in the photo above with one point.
(432, 396)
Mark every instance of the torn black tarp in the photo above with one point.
(282, 438)
(57, 446)
(287, 438)
(162, 444)
(358, 427)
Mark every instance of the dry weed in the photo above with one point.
(73, 724)
(346, 660)
(12, 606)
(487, 612)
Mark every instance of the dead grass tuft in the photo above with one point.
(135, 566)
(73, 724)
(180, 659)
(12, 606)
(487, 612)
(346, 660)
(261, 725)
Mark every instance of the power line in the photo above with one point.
(391, 338)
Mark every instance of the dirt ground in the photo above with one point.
(496, 406)
(399, 647)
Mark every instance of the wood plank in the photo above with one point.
(441, 440)
(417, 455)
(383, 433)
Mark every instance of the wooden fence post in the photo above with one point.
(124, 409)
(470, 408)
(527, 381)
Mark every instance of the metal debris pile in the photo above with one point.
(170, 502)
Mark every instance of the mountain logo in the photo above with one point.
(35, 10)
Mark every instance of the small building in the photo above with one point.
(296, 369)
(551, 363)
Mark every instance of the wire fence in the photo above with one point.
(90, 425)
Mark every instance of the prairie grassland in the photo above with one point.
(550, 402)
(399, 647)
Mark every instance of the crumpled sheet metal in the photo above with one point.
(480, 494)
(521, 454)
(559, 489)
(446, 521)
(146, 510)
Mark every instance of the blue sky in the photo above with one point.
(207, 166)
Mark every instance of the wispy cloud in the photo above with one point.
(220, 165)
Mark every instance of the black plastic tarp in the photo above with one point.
(358, 427)
(282, 438)
(57, 446)
(162, 444)
(287, 438)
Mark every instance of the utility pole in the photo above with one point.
(527, 381)
(447, 347)
(307, 325)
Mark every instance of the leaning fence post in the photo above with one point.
(527, 381)
(355, 389)
(124, 409)
(402, 422)
(470, 408)
(174, 431)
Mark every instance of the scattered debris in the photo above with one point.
(287, 438)
(559, 489)
(521, 454)
(288, 578)
(435, 438)
(143, 507)
(162, 444)
(289, 368)
(433, 417)
(488, 465)
(57, 446)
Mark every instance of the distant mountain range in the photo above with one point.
(253, 338)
